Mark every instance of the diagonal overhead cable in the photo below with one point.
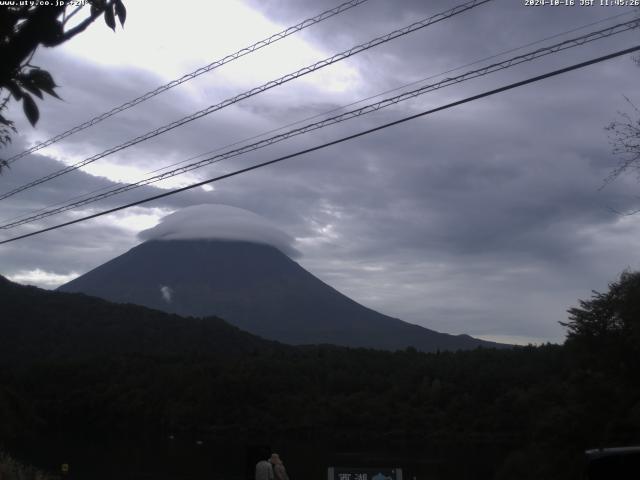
(273, 83)
(334, 142)
(373, 107)
(93, 193)
(190, 76)
(371, 97)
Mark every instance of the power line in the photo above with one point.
(189, 76)
(335, 142)
(570, 43)
(273, 83)
(327, 112)
(406, 85)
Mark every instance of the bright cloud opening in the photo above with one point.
(42, 278)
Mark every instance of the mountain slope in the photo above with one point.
(40, 325)
(258, 289)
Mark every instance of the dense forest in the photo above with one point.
(531, 411)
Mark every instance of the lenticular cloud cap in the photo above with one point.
(220, 222)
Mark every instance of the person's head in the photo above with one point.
(263, 453)
(275, 459)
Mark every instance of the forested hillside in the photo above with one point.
(529, 411)
(40, 325)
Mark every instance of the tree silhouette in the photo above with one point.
(606, 329)
(23, 28)
(624, 136)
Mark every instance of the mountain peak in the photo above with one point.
(257, 288)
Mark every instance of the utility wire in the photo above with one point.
(273, 83)
(334, 142)
(342, 107)
(406, 85)
(327, 112)
(189, 76)
(571, 43)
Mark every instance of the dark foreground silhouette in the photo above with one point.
(73, 365)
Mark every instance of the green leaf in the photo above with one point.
(14, 89)
(44, 81)
(50, 33)
(121, 11)
(97, 6)
(109, 18)
(30, 109)
(52, 92)
(42, 78)
(32, 88)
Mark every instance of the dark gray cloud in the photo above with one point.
(487, 218)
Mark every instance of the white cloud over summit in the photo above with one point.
(220, 222)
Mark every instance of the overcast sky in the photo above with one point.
(486, 219)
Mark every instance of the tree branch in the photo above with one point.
(70, 16)
(82, 26)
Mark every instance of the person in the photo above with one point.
(279, 472)
(264, 469)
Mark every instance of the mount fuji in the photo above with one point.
(244, 274)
